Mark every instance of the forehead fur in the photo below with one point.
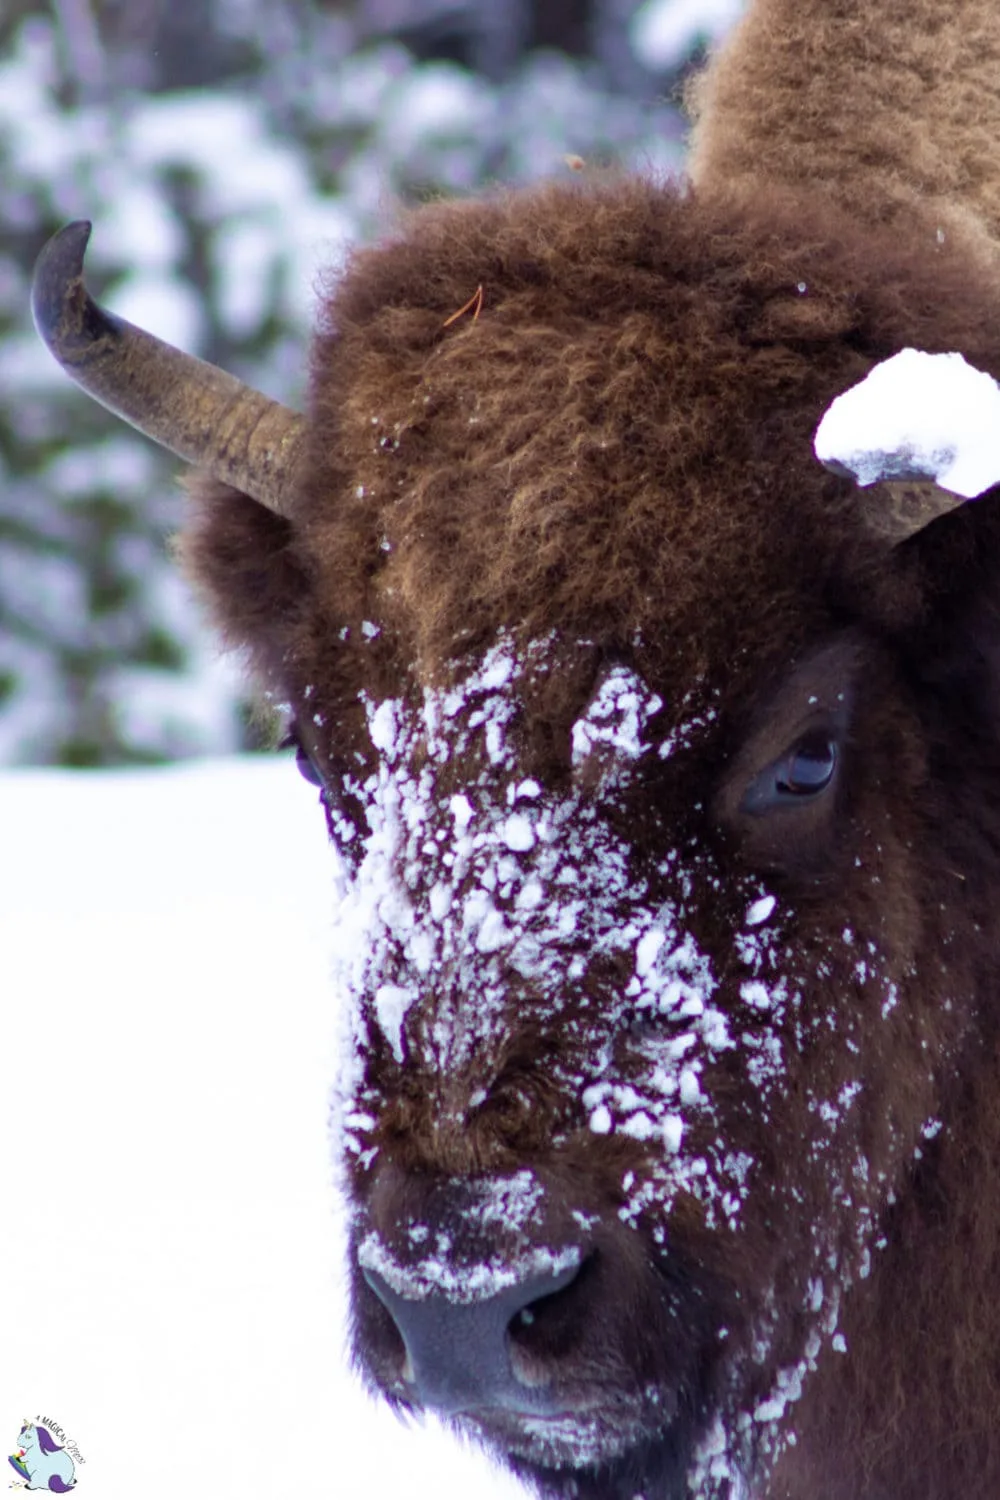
(640, 388)
(619, 444)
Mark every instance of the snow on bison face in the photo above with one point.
(613, 1152)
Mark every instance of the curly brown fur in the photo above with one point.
(609, 468)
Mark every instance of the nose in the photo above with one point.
(459, 1354)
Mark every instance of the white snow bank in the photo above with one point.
(171, 1269)
(917, 415)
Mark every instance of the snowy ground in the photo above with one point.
(169, 1256)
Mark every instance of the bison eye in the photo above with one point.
(304, 762)
(808, 767)
(306, 767)
(804, 771)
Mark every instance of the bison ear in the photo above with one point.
(243, 561)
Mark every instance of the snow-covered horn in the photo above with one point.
(925, 428)
(192, 408)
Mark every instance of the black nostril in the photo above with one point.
(458, 1354)
(544, 1332)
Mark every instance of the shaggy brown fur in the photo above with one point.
(615, 457)
(893, 112)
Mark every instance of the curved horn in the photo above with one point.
(192, 408)
(911, 506)
(902, 505)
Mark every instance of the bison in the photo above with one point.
(664, 767)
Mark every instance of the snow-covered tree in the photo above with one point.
(226, 149)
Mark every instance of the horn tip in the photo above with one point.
(58, 273)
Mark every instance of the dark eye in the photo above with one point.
(808, 767)
(306, 767)
(804, 771)
(303, 761)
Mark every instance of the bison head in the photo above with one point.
(660, 774)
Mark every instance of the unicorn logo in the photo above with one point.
(40, 1463)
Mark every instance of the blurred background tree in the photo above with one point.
(226, 150)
